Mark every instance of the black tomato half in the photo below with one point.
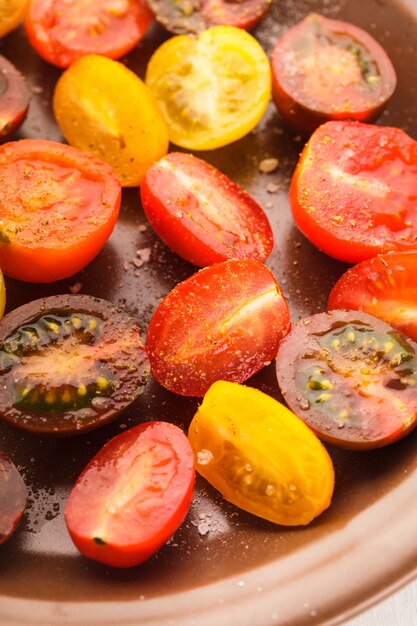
(14, 98)
(69, 364)
(13, 495)
(187, 17)
(351, 377)
(325, 69)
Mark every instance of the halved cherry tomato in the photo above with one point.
(133, 495)
(201, 214)
(260, 456)
(128, 132)
(385, 286)
(183, 17)
(69, 364)
(354, 191)
(13, 495)
(223, 323)
(14, 98)
(325, 69)
(213, 89)
(61, 32)
(11, 15)
(351, 377)
(58, 206)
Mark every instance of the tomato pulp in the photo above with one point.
(201, 214)
(58, 206)
(354, 190)
(133, 495)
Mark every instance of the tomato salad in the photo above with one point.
(72, 363)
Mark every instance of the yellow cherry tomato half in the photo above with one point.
(11, 14)
(213, 89)
(104, 108)
(261, 456)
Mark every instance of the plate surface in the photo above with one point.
(222, 566)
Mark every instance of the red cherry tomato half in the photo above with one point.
(223, 323)
(351, 377)
(58, 206)
(133, 495)
(14, 98)
(325, 69)
(61, 32)
(13, 495)
(354, 190)
(183, 17)
(69, 364)
(201, 214)
(385, 286)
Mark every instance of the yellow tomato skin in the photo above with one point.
(2, 294)
(104, 108)
(261, 456)
(11, 15)
(212, 89)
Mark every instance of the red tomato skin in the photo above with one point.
(201, 214)
(14, 98)
(48, 25)
(223, 323)
(32, 252)
(133, 534)
(306, 108)
(353, 193)
(384, 286)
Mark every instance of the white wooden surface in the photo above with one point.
(397, 610)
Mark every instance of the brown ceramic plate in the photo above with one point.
(223, 566)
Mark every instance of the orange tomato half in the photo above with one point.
(58, 206)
